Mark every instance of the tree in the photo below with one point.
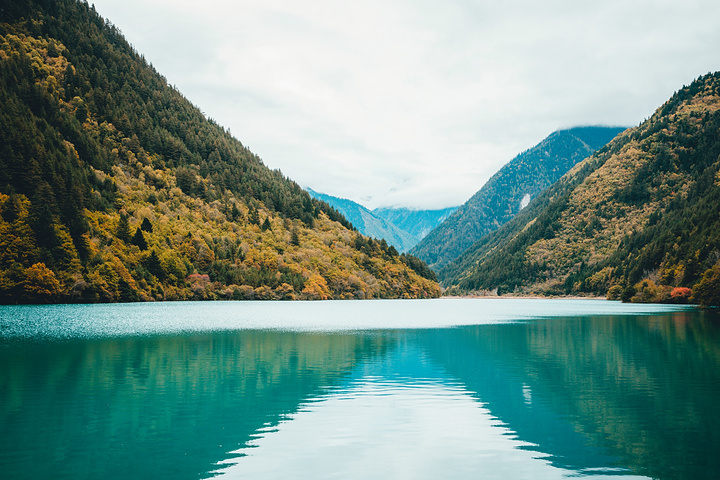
(253, 216)
(123, 229)
(40, 284)
(153, 265)
(139, 239)
(81, 110)
(707, 291)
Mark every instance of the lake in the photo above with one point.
(416, 389)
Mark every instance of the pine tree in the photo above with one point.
(123, 229)
(153, 265)
(139, 240)
(253, 217)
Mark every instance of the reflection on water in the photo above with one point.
(398, 417)
(642, 389)
(168, 407)
(547, 398)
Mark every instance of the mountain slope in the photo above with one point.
(114, 187)
(367, 222)
(509, 190)
(639, 219)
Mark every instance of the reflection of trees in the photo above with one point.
(642, 388)
(164, 407)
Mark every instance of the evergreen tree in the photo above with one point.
(153, 265)
(253, 216)
(294, 238)
(139, 239)
(123, 230)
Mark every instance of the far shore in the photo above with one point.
(537, 297)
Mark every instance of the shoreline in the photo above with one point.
(535, 297)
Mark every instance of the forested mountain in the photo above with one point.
(638, 219)
(401, 227)
(114, 187)
(509, 190)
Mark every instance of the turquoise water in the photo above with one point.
(373, 389)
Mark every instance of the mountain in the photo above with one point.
(367, 222)
(400, 227)
(114, 187)
(638, 220)
(509, 191)
(417, 223)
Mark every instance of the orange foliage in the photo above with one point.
(680, 293)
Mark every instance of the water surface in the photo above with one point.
(371, 389)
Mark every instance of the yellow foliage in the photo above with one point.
(40, 283)
(316, 288)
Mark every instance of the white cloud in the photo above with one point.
(417, 103)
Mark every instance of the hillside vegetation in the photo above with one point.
(509, 191)
(638, 220)
(114, 187)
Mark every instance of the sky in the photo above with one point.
(417, 103)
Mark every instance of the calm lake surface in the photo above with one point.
(447, 388)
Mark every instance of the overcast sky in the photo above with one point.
(413, 102)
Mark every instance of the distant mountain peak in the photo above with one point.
(400, 227)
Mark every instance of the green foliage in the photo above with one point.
(154, 266)
(253, 216)
(418, 266)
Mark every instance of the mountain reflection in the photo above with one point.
(166, 407)
(577, 396)
(642, 389)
